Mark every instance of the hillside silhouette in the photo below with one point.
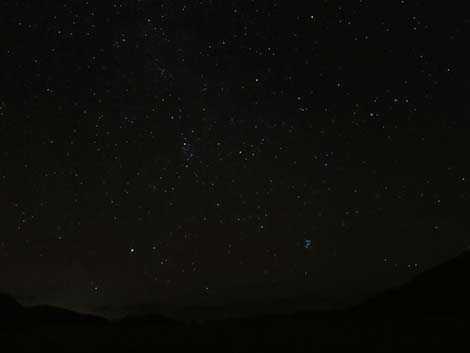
(430, 312)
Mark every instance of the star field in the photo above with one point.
(191, 153)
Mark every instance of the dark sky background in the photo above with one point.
(163, 154)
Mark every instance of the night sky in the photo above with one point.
(165, 154)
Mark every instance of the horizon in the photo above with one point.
(227, 311)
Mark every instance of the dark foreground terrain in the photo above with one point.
(430, 313)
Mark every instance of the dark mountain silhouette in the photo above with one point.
(429, 313)
(147, 320)
(442, 290)
(13, 315)
(9, 307)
